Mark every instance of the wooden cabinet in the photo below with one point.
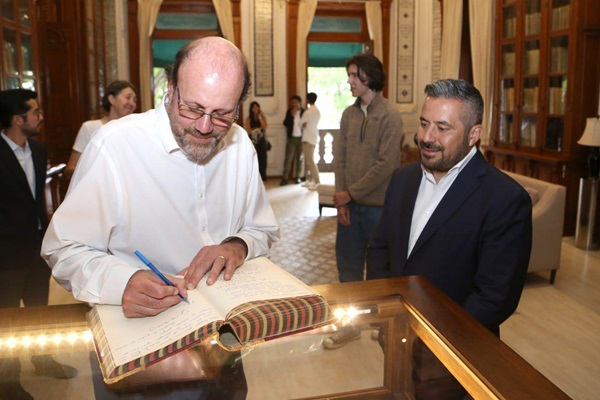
(547, 62)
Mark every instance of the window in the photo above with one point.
(174, 28)
(17, 55)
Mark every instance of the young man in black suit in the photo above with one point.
(456, 220)
(23, 220)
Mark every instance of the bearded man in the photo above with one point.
(456, 220)
(179, 183)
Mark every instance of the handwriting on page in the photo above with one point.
(131, 338)
(257, 279)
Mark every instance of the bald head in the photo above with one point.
(217, 54)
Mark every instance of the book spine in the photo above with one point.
(271, 318)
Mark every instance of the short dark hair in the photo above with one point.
(14, 102)
(311, 97)
(184, 52)
(464, 91)
(296, 97)
(370, 66)
(114, 89)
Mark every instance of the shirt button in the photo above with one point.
(203, 228)
(201, 195)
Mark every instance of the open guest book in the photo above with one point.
(260, 302)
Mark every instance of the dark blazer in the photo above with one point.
(288, 122)
(475, 247)
(20, 213)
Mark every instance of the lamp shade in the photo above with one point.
(591, 134)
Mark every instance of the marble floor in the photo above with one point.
(556, 328)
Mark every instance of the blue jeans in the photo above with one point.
(351, 241)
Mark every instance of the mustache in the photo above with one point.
(430, 146)
(194, 132)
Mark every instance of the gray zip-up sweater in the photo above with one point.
(367, 150)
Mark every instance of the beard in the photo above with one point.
(446, 161)
(193, 150)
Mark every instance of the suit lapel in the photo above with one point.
(406, 213)
(12, 165)
(465, 184)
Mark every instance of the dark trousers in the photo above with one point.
(23, 276)
(293, 152)
(261, 152)
(431, 380)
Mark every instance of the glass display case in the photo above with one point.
(398, 318)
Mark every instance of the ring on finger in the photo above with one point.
(221, 257)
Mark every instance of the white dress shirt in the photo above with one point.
(25, 159)
(134, 189)
(297, 130)
(310, 133)
(430, 195)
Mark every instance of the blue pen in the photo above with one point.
(157, 272)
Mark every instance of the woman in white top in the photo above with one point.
(119, 100)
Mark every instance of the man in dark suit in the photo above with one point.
(23, 220)
(456, 220)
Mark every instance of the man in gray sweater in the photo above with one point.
(367, 151)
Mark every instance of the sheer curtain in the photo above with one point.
(225, 17)
(451, 34)
(374, 22)
(481, 27)
(146, 17)
(306, 13)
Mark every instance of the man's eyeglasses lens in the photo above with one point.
(196, 113)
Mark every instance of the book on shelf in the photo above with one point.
(261, 302)
(560, 17)
(508, 99)
(530, 99)
(559, 58)
(508, 63)
(532, 60)
(533, 23)
(556, 105)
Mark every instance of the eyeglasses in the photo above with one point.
(37, 113)
(196, 113)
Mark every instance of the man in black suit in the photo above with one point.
(23, 220)
(456, 220)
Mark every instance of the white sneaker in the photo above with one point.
(313, 186)
(306, 184)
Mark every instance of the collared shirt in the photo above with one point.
(297, 130)
(134, 189)
(25, 159)
(310, 133)
(430, 195)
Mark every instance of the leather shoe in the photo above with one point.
(283, 182)
(47, 366)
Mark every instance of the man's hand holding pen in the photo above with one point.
(147, 295)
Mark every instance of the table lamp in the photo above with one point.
(591, 137)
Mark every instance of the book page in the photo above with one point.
(257, 279)
(132, 338)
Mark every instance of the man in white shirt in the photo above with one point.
(310, 136)
(179, 183)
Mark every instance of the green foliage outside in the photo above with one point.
(331, 87)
